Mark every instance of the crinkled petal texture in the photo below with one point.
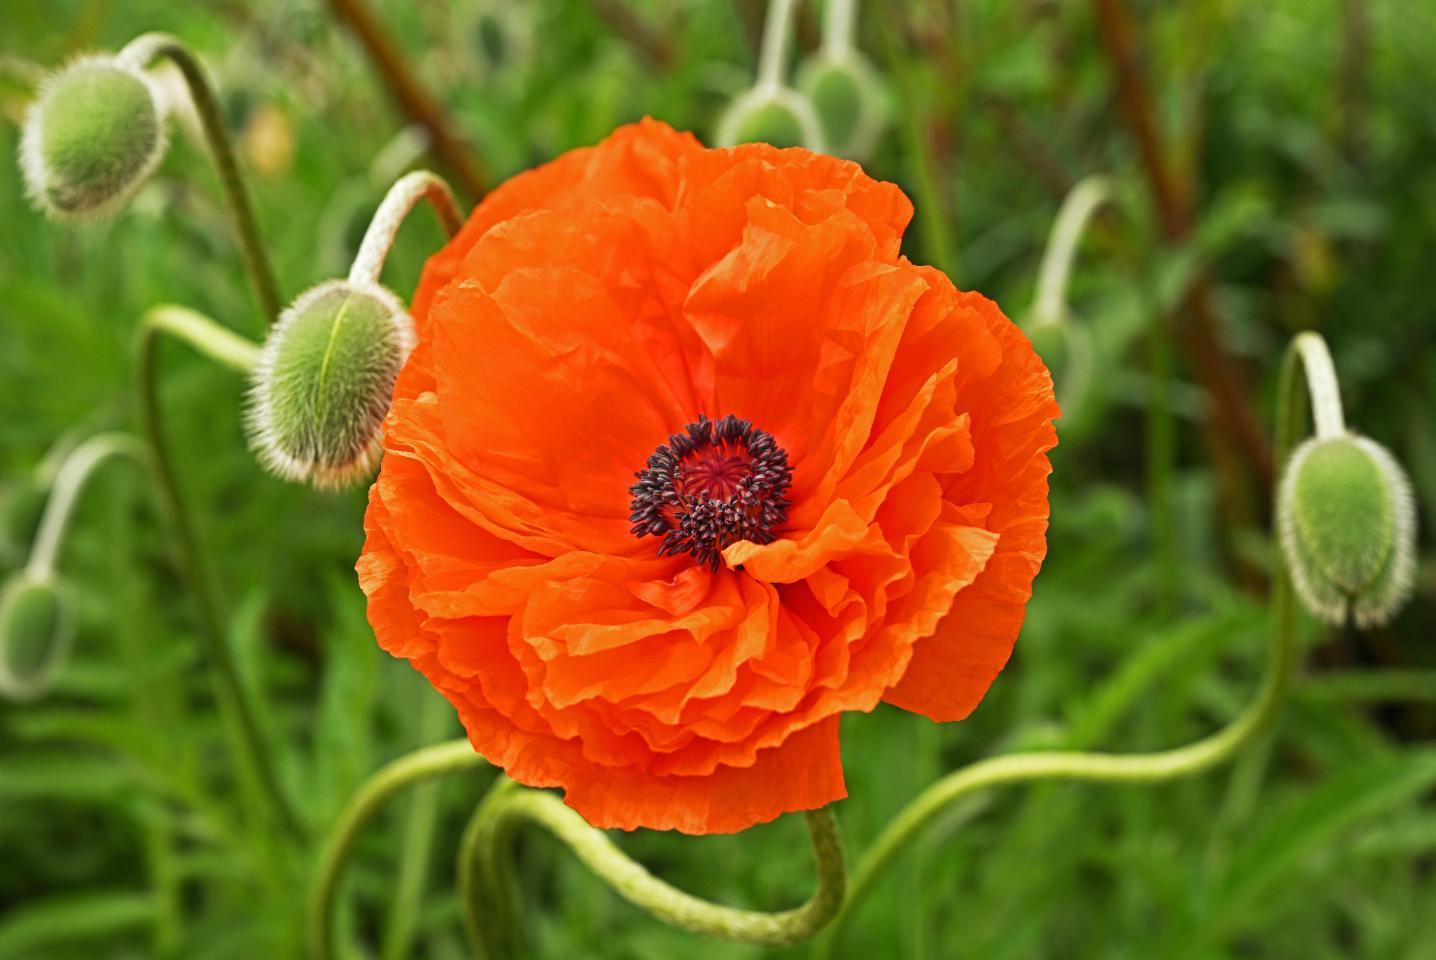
(596, 305)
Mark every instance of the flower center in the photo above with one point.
(709, 486)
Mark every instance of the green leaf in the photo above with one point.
(1290, 839)
(30, 930)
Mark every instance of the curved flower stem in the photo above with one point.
(144, 51)
(484, 885)
(1050, 308)
(1156, 767)
(74, 473)
(406, 192)
(193, 565)
(773, 52)
(839, 19)
(1321, 384)
(413, 768)
(436, 717)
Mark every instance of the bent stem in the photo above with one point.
(417, 767)
(73, 475)
(142, 52)
(191, 561)
(485, 887)
(1156, 767)
(402, 197)
(1321, 383)
(1050, 308)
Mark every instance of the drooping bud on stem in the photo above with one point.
(771, 111)
(92, 138)
(36, 625)
(326, 375)
(1346, 516)
(844, 88)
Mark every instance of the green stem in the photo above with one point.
(435, 718)
(71, 478)
(1050, 305)
(144, 51)
(413, 768)
(191, 561)
(483, 877)
(406, 192)
(1158, 767)
(773, 52)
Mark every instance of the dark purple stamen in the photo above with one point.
(709, 486)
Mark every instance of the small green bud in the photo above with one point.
(779, 116)
(91, 139)
(848, 97)
(324, 382)
(1347, 523)
(36, 630)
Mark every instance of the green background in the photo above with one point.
(1299, 134)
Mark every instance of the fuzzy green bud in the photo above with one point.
(847, 95)
(324, 381)
(36, 629)
(92, 138)
(1347, 523)
(779, 116)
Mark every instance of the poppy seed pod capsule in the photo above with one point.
(36, 628)
(778, 115)
(324, 381)
(846, 94)
(1347, 523)
(91, 139)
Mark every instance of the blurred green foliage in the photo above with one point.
(1302, 132)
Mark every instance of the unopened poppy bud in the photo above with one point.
(847, 95)
(36, 628)
(779, 116)
(324, 381)
(91, 139)
(1347, 523)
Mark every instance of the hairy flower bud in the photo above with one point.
(1347, 523)
(36, 628)
(847, 95)
(779, 116)
(324, 381)
(91, 139)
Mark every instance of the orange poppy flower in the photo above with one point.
(688, 462)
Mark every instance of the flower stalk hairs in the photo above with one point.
(679, 461)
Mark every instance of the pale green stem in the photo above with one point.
(402, 197)
(1158, 767)
(839, 19)
(483, 879)
(773, 53)
(1321, 382)
(1050, 306)
(413, 768)
(191, 561)
(435, 718)
(70, 481)
(144, 51)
